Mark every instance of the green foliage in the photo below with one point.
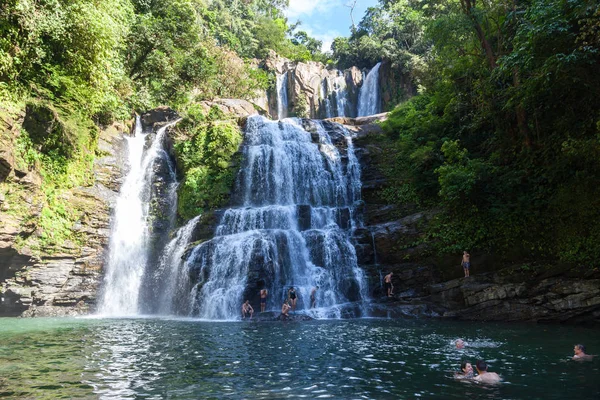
(300, 107)
(503, 141)
(393, 31)
(206, 151)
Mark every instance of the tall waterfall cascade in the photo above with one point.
(369, 100)
(130, 247)
(290, 225)
(282, 96)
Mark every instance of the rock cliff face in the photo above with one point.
(427, 285)
(65, 280)
(315, 91)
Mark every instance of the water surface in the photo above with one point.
(347, 359)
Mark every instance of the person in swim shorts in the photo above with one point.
(466, 263)
(387, 284)
(263, 299)
(247, 309)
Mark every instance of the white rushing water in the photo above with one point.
(129, 240)
(368, 99)
(282, 96)
(172, 272)
(291, 227)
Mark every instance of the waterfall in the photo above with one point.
(291, 227)
(368, 99)
(325, 97)
(341, 94)
(132, 238)
(282, 96)
(172, 272)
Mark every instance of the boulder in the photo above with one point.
(237, 107)
(158, 115)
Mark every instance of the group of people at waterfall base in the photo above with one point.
(289, 304)
(483, 376)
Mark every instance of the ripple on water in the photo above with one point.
(148, 358)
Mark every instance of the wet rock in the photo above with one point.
(158, 115)
(236, 107)
(306, 84)
(304, 217)
(64, 281)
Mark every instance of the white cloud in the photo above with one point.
(299, 8)
(326, 37)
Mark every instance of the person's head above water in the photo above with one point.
(466, 367)
(579, 350)
(460, 343)
(481, 366)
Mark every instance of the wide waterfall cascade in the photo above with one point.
(282, 96)
(296, 194)
(369, 99)
(130, 239)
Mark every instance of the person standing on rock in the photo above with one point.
(313, 297)
(263, 299)
(293, 298)
(247, 309)
(387, 284)
(466, 263)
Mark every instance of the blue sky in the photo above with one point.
(326, 19)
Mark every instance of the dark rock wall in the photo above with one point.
(432, 285)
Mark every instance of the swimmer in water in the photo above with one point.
(466, 371)
(460, 344)
(580, 355)
(485, 376)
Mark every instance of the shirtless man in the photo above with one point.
(387, 284)
(247, 309)
(580, 355)
(466, 263)
(484, 376)
(263, 299)
(313, 297)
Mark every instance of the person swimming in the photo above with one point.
(579, 351)
(460, 344)
(483, 375)
(466, 371)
